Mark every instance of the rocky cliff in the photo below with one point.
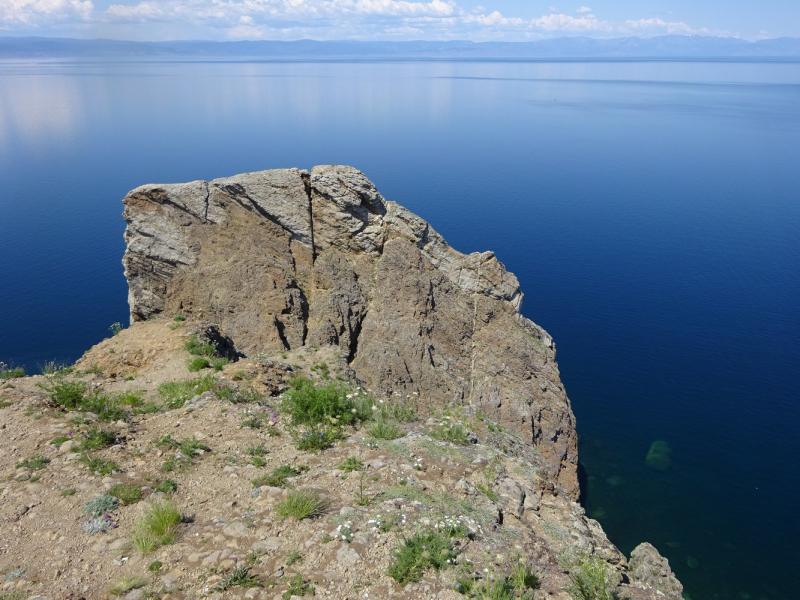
(177, 459)
(285, 258)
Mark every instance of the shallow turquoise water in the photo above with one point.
(650, 211)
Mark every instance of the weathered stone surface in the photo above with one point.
(651, 570)
(285, 258)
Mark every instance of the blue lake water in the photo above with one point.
(651, 211)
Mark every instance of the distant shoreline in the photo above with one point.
(661, 48)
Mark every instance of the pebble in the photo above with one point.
(347, 556)
(268, 545)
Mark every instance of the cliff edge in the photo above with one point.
(282, 259)
(317, 396)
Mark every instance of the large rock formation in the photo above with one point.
(285, 258)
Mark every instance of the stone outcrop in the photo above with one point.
(285, 258)
(650, 570)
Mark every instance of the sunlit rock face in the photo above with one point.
(286, 258)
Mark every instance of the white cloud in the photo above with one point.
(316, 19)
(33, 13)
(567, 23)
(665, 27)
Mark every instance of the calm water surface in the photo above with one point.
(649, 209)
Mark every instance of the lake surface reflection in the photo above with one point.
(649, 209)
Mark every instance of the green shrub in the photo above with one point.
(300, 504)
(591, 578)
(36, 462)
(97, 439)
(100, 466)
(66, 394)
(103, 504)
(147, 408)
(115, 328)
(176, 393)
(350, 464)
(167, 442)
(52, 367)
(253, 423)
(68, 492)
(7, 373)
(157, 527)
(520, 583)
(128, 493)
(218, 363)
(309, 405)
(197, 363)
(106, 408)
(256, 451)
(425, 550)
(293, 558)
(298, 587)
(316, 439)
(155, 566)
(239, 577)
(194, 346)
(277, 478)
(98, 525)
(189, 445)
(168, 486)
(453, 433)
(323, 370)
(126, 584)
(384, 429)
(132, 398)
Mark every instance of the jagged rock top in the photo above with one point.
(286, 258)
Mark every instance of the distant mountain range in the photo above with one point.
(661, 47)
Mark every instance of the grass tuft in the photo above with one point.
(34, 463)
(301, 504)
(128, 493)
(350, 464)
(197, 364)
(239, 577)
(124, 585)
(7, 373)
(168, 486)
(194, 346)
(157, 527)
(176, 393)
(277, 478)
(100, 466)
(384, 429)
(97, 439)
(419, 553)
(453, 433)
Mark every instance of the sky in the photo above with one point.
(476, 20)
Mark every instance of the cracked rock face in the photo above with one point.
(286, 258)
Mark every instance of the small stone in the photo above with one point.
(347, 556)
(466, 487)
(268, 545)
(69, 446)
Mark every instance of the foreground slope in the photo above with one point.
(131, 419)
